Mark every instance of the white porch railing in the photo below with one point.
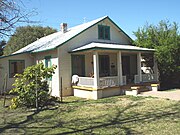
(108, 81)
(124, 80)
(145, 78)
(136, 79)
(86, 81)
(113, 80)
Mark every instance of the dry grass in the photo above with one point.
(114, 115)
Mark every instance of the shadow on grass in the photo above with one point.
(118, 120)
(17, 125)
(92, 125)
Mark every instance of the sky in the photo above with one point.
(129, 15)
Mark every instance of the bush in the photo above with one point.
(25, 85)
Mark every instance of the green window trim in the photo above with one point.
(48, 60)
(104, 32)
(11, 75)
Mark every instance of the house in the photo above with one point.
(99, 52)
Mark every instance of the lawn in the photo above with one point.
(114, 115)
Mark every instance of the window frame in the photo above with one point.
(10, 61)
(46, 58)
(104, 28)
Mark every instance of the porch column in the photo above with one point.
(96, 69)
(119, 66)
(139, 66)
(155, 68)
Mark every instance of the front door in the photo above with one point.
(126, 65)
(104, 65)
(126, 68)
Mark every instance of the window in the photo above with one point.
(104, 65)
(16, 67)
(78, 65)
(104, 32)
(48, 64)
(48, 61)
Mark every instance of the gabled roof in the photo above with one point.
(110, 46)
(57, 39)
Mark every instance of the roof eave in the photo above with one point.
(44, 50)
(101, 48)
(1, 57)
(131, 40)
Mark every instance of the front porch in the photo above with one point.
(104, 73)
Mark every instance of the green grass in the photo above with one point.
(114, 115)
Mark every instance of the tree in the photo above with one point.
(165, 39)
(11, 14)
(24, 36)
(26, 84)
(2, 44)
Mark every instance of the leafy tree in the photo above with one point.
(26, 84)
(165, 39)
(24, 36)
(12, 12)
(2, 44)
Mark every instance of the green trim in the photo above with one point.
(1, 57)
(99, 48)
(121, 30)
(15, 61)
(81, 32)
(104, 28)
(94, 25)
(48, 58)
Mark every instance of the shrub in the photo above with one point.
(33, 78)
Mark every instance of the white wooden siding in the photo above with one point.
(4, 63)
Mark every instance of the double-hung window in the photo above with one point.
(104, 32)
(16, 67)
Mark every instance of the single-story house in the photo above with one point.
(99, 52)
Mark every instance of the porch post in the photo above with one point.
(119, 66)
(155, 68)
(139, 66)
(96, 69)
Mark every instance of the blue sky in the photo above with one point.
(127, 14)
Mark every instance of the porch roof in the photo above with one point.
(110, 46)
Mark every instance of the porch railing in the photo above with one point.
(113, 80)
(108, 81)
(136, 79)
(86, 81)
(124, 80)
(145, 78)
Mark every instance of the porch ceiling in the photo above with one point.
(110, 46)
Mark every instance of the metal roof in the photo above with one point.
(110, 46)
(56, 39)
